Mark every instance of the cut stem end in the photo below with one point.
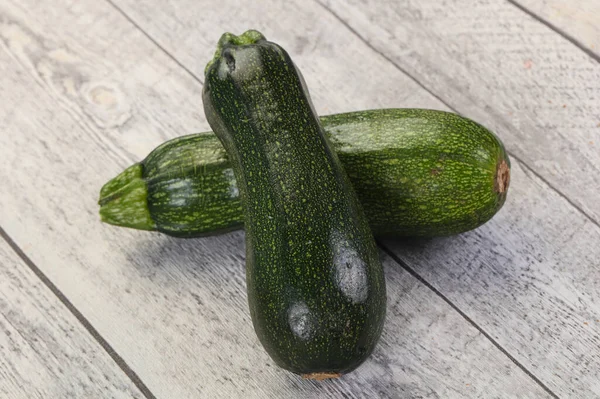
(123, 200)
(502, 177)
(321, 376)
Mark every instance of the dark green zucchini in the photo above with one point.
(417, 172)
(316, 288)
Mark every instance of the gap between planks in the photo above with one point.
(132, 375)
(430, 286)
(556, 29)
(155, 42)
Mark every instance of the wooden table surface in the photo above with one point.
(88, 87)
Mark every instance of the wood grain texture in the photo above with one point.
(323, 50)
(88, 93)
(44, 351)
(578, 20)
(492, 62)
(513, 302)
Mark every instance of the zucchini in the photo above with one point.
(417, 172)
(316, 288)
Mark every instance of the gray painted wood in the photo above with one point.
(579, 20)
(44, 351)
(494, 63)
(84, 102)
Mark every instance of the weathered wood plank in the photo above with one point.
(44, 351)
(539, 339)
(578, 20)
(176, 310)
(494, 63)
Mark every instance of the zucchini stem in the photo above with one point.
(123, 200)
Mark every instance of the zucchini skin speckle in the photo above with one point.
(316, 288)
(417, 172)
